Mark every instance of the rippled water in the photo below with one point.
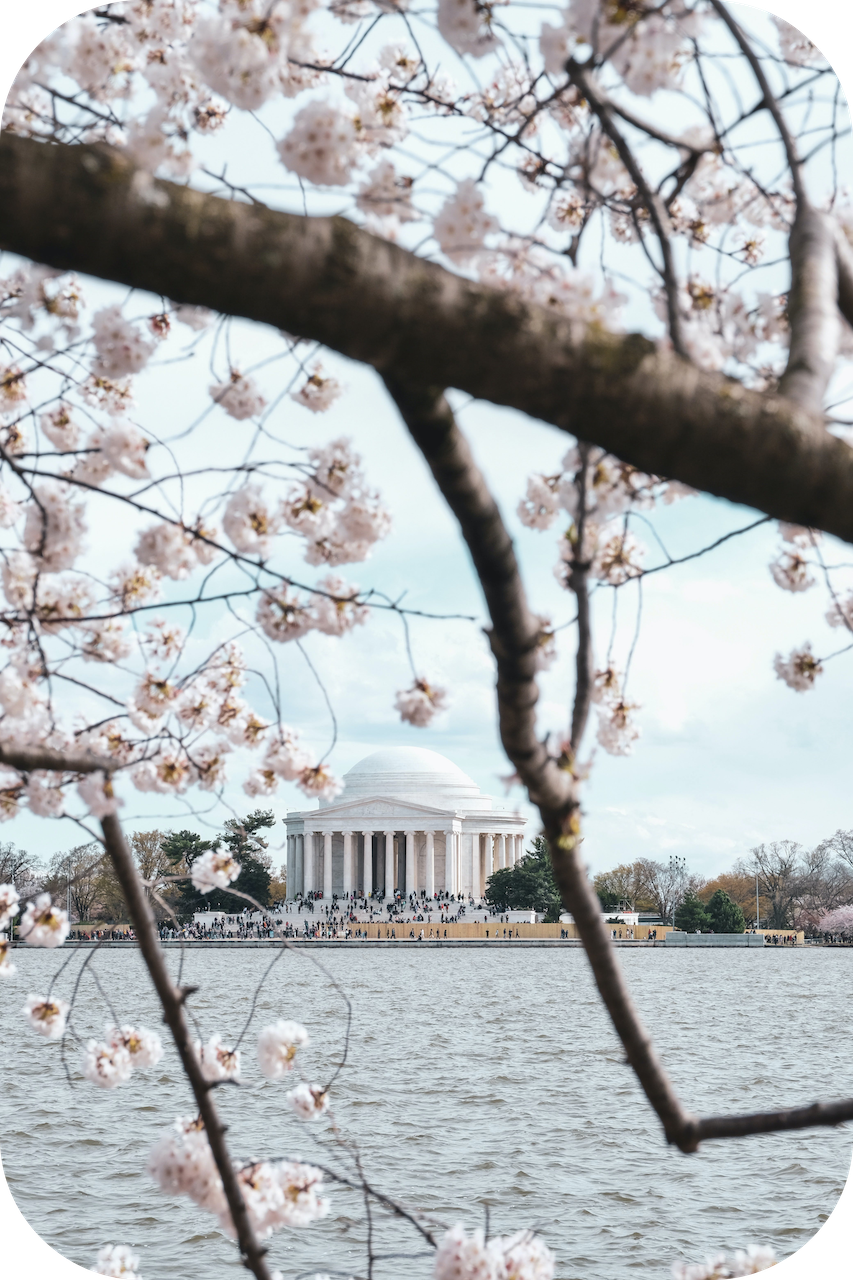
(476, 1078)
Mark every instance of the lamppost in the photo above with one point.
(757, 918)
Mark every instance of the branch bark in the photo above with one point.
(512, 637)
(28, 759)
(171, 999)
(88, 209)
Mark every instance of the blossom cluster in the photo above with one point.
(111, 1061)
(117, 1260)
(744, 1262)
(277, 1194)
(523, 1256)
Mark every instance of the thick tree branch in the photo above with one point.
(28, 759)
(88, 209)
(513, 639)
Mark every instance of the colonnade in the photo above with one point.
(409, 861)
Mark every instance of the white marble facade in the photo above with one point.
(408, 820)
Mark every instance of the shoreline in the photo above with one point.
(433, 943)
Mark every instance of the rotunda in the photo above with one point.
(409, 821)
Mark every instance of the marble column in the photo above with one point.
(519, 849)
(389, 864)
(327, 866)
(476, 888)
(299, 866)
(308, 870)
(367, 886)
(429, 874)
(488, 864)
(348, 875)
(501, 858)
(449, 860)
(410, 862)
(288, 874)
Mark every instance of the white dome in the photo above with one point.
(415, 774)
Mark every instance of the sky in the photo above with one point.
(728, 758)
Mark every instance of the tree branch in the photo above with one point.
(28, 759)
(171, 999)
(87, 208)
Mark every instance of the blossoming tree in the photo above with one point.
(675, 301)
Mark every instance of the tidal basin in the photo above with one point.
(474, 1079)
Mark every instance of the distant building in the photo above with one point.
(408, 819)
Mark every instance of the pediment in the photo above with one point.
(362, 810)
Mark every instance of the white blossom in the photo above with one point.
(9, 900)
(283, 616)
(617, 732)
(420, 703)
(617, 559)
(318, 780)
(322, 145)
(122, 347)
(117, 1260)
(791, 571)
(386, 195)
(106, 1064)
(239, 396)
(466, 27)
(338, 611)
(144, 1048)
(249, 522)
(462, 223)
(278, 1045)
(463, 1257)
(308, 1101)
(10, 510)
(96, 792)
(215, 869)
(43, 924)
(181, 1163)
(55, 527)
(44, 796)
(317, 393)
(799, 670)
(168, 549)
(839, 613)
(540, 504)
(46, 1016)
(7, 968)
(795, 47)
(280, 1194)
(125, 448)
(217, 1062)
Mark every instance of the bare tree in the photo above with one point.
(779, 867)
(77, 873)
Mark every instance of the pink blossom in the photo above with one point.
(215, 869)
(799, 670)
(46, 1016)
(239, 396)
(117, 1260)
(278, 1045)
(217, 1062)
(9, 900)
(43, 924)
(106, 1065)
(317, 393)
(462, 223)
(419, 704)
(308, 1101)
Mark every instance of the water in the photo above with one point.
(475, 1078)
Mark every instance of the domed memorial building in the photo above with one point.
(408, 819)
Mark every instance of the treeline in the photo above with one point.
(796, 887)
(84, 875)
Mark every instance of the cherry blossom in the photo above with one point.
(9, 900)
(791, 572)
(181, 1163)
(840, 612)
(278, 1045)
(419, 704)
(799, 670)
(463, 1257)
(337, 611)
(144, 1047)
(214, 870)
(117, 1260)
(308, 1101)
(106, 1064)
(239, 396)
(249, 521)
(463, 224)
(466, 26)
(617, 559)
(281, 1194)
(744, 1262)
(46, 1016)
(43, 924)
(122, 348)
(616, 731)
(168, 549)
(838, 921)
(7, 968)
(318, 780)
(55, 527)
(322, 145)
(217, 1062)
(385, 194)
(317, 393)
(96, 792)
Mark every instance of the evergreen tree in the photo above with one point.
(691, 915)
(725, 915)
(528, 886)
(241, 837)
